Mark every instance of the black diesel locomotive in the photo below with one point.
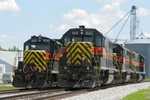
(39, 67)
(90, 60)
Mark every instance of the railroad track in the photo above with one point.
(8, 91)
(48, 94)
(2, 92)
(29, 94)
(35, 94)
(44, 95)
(61, 95)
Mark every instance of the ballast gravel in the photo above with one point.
(114, 93)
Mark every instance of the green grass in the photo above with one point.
(147, 79)
(143, 94)
(6, 86)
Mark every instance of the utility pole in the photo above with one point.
(133, 23)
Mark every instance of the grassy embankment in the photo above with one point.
(143, 94)
(5, 86)
(147, 79)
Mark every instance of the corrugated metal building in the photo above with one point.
(141, 45)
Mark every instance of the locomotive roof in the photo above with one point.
(95, 31)
(121, 46)
(116, 44)
(37, 37)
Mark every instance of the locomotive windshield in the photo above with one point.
(78, 38)
(83, 39)
(38, 46)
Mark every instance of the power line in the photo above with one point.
(117, 23)
(140, 29)
(122, 27)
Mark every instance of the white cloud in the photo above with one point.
(76, 13)
(63, 28)
(143, 12)
(50, 26)
(113, 8)
(9, 5)
(102, 20)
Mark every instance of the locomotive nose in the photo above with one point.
(78, 53)
(35, 60)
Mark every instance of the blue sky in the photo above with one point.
(20, 19)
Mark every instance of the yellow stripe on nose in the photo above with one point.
(37, 58)
(78, 50)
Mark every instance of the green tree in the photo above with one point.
(2, 49)
(13, 49)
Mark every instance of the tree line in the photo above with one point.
(14, 48)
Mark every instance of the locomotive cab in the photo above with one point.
(39, 67)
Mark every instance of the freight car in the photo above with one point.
(90, 60)
(39, 67)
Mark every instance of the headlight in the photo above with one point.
(39, 70)
(65, 67)
(88, 68)
(20, 70)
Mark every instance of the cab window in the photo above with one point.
(27, 47)
(66, 40)
(88, 39)
(76, 39)
(98, 41)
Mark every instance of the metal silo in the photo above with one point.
(141, 44)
